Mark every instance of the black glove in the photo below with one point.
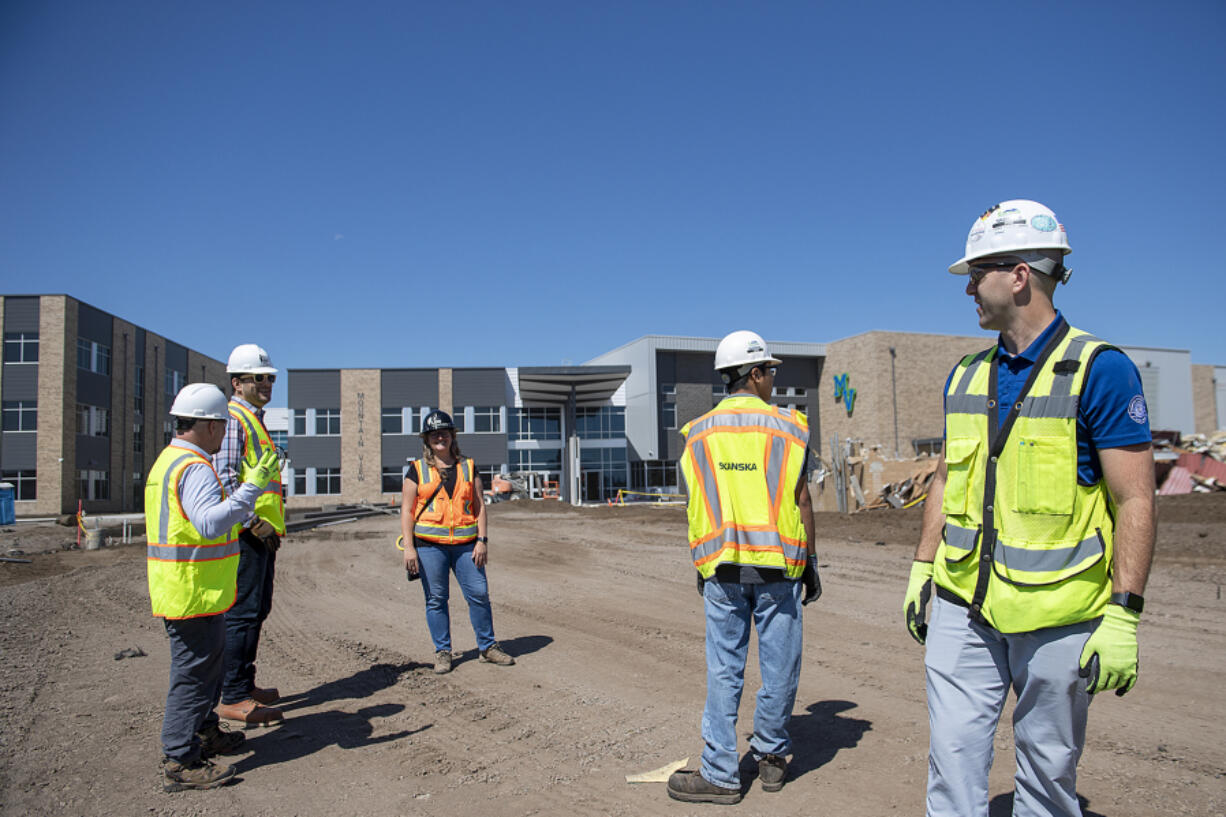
(701, 582)
(273, 541)
(813, 582)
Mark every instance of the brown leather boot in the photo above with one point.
(250, 713)
(199, 774)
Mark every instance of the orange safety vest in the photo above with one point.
(446, 520)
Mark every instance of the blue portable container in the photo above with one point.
(8, 510)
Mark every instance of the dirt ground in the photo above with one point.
(599, 606)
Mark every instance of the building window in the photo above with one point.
(93, 356)
(138, 437)
(600, 422)
(538, 423)
(928, 445)
(280, 439)
(393, 479)
(20, 415)
(327, 422)
(668, 415)
(486, 420)
(93, 484)
(25, 484)
(327, 480)
(657, 476)
(93, 421)
(175, 380)
(611, 463)
(487, 474)
(300, 482)
(168, 432)
(138, 385)
(138, 491)
(719, 393)
(392, 420)
(21, 347)
(536, 459)
(300, 422)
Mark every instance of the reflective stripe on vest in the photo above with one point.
(188, 575)
(741, 464)
(1016, 506)
(446, 520)
(270, 506)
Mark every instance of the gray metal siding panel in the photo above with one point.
(20, 382)
(93, 324)
(93, 389)
(20, 314)
(315, 389)
(315, 452)
(411, 387)
(19, 451)
(486, 449)
(397, 448)
(93, 452)
(479, 387)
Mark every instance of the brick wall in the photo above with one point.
(1204, 398)
(361, 441)
(57, 390)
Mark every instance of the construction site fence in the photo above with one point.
(632, 497)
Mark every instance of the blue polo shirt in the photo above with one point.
(1111, 413)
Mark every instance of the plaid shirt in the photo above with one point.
(228, 461)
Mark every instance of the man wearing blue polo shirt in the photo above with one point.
(1038, 529)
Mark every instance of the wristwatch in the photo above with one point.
(485, 540)
(1132, 601)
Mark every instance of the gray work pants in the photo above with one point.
(970, 669)
(197, 658)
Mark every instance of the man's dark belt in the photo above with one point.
(950, 597)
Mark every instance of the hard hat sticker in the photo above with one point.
(1043, 223)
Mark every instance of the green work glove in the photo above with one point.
(919, 590)
(1109, 659)
(268, 467)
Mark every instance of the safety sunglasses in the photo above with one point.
(982, 268)
(258, 378)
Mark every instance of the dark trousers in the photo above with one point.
(252, 603)
(197, 656)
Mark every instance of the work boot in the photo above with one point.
(771, 771)
(442, 662)
(265, 696)
(214, 740)
(250, 713)
(497, 655)
(199, 774)
(692, 787)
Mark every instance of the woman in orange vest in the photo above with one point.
(442, 521)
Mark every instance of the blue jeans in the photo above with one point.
(970, 669)
(437, 562)
(774, 609)
(244, 621)
(196, 661)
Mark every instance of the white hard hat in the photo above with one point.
(203, 401)
(742, 348)
(247, 358)
(1021, 227)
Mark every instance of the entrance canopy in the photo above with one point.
(590, 385)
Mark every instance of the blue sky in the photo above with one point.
(532, 183)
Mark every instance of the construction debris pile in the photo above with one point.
(1194, 464)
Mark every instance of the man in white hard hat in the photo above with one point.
(247, 440)
(751, 540)
(191, 525)
(1038, 529)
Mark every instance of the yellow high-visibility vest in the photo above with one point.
(741, 464)
(189, 575)
(270, 506)
(447, 519)
(1025, 545)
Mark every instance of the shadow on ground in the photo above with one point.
(817, 737)
(307, 734)
(1002, 806)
